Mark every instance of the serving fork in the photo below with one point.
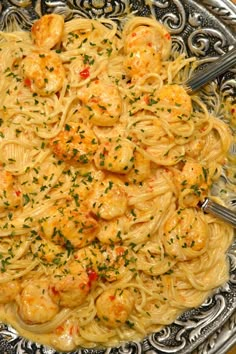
(193, 84)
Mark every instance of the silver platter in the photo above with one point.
(204, 29)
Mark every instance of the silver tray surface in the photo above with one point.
(205, 29)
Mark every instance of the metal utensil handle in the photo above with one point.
(216, 68)
(220, 211)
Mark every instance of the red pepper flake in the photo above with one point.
(120, 251)
(18, 193)
(84, 74)
(59, 330)
(54, 291)
(134, 34)
(94, 100)
(105, 151)
(167, 36)
(112, 297)
(149, 44)
(27, 82)
(232, 110)
(146, 99)
(73, 329)
(203, 129)
(93, 276)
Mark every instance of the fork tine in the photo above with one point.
(213, 70)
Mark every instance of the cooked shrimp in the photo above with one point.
(115, 155)
(70, 285)
(192, 182)
(43, 72)
(142, 62)
(145, 48)
(193, 172)
(63, 336)
(114, 307)
(194, 147)
(46, 250)
(185, 234)
(89, 257)
(10, 195)
(156, 37)
(48, 30)
(108, 199)
(141, 169)
(112, 231)
(35, 304)
(76, 142)
(65, 227)
(116, 261)
(102, 103)
(106, 262)
(9, 291)
(174, 102)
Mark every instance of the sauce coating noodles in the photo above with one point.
(104, 160)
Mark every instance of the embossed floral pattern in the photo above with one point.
(21, 3)
(100, 8)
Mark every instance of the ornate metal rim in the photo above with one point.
(226, 15)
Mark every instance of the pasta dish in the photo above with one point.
(104, 159)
